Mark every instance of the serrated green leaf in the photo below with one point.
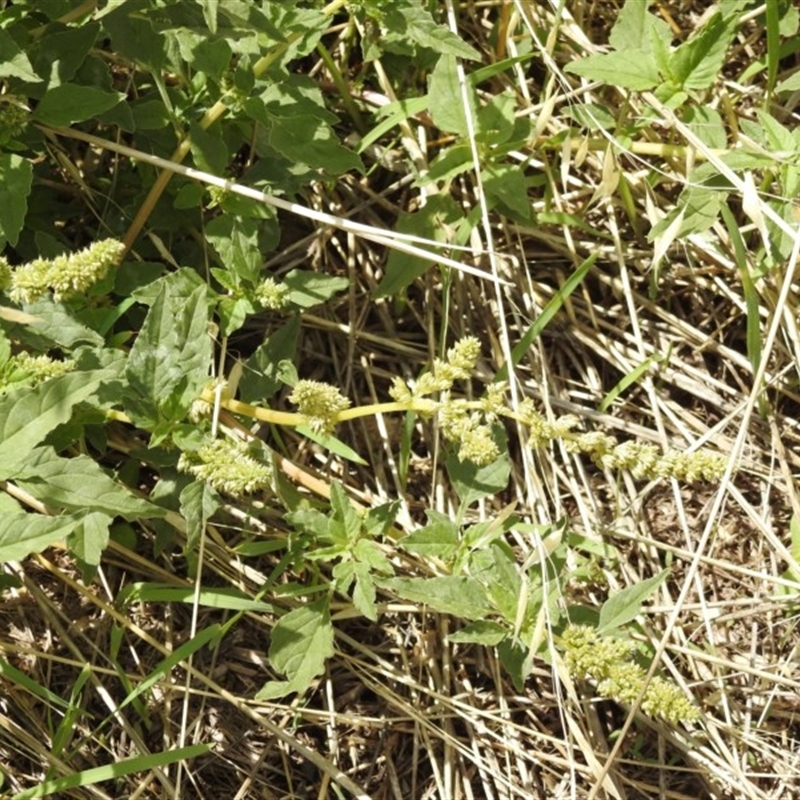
(27, 419)
(168, 363)
(16, 176)
(236, 241)
(307, 140)
(458, 595)
(438, 539)
(71, 102)
(302, 641)
(631, 69)
(23, 534)
(79, 484)
(626, 604)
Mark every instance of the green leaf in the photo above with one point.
(305, 139)
(438, 539)
(168, 363)
(56, 323)
(506, 185)
(209, 150)
(707, 124)
(483, 632)
(25, 420)
(224, 598)
(132, 34)
(626, 604)
(308, 289)
(22, 534)
(88, 541)
(496, 570)
(236, 241)
(115, 770)
(696, 64)
(631, 69)
(70, 103)
(445, 97)
(437, 220)
(60, 53)
(198, 502)
(79, 483)
(261, 375)
(458, 595)
(14, 62)
(472, 482)
(16, 176)
(635, 25)
(302, 641)
(411, 23)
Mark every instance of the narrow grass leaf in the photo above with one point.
(14, 676)
(631, 379)
(548, 312)
(89, 777)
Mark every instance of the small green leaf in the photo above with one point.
(438, 539)
(445, 97)
(635, 24)
(302, 641)
(472, 482)
(16, 176)
(88, 541)
(411, 23)
(236, 241)
(626, 604)
(696, 64)
(260, 377)
(631, 69)
(198, 502)
(458, 595)
(483, 632)
(308, 289)
(70, 103)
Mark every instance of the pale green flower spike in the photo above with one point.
(607, 660)
(271, 295)
(66, 276)
(25, 369)
(227, 466)
(319, 403)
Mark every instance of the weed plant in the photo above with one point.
(398, 399)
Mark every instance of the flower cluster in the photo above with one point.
(608, 661)
(271, 295)
(463, 422)
(66, 276)
(28, 370)
(227, 466)
(645, 461)
(320, 403)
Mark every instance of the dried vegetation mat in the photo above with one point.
(631, 249)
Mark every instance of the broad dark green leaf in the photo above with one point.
(79, 483)
(88, 541)
(307, 140)
(168, 363)
(236, 242)
(438, 539)
(70, 103)
(27, 418)
(696, 64)
(411, 23)
(56, 323)
(483, 632)
(16, 176)
(132, 34)
(472, 482)
(22, 534)
(60, 52)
